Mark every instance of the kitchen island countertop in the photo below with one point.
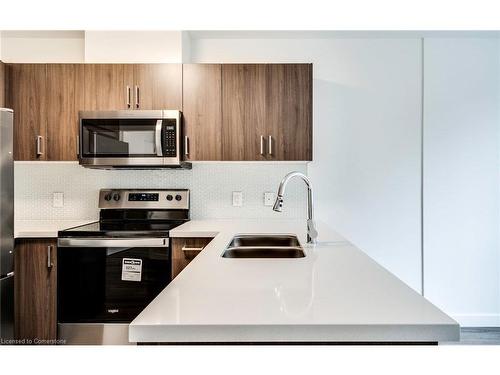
(335, 294)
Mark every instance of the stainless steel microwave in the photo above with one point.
(133, 139)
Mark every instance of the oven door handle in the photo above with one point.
(113, 242)
(159, 151)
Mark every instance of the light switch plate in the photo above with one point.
(57, 199)
(269, 198)
(237, 198)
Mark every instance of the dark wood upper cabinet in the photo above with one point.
(26, 95)
(133, 86)
(267, 112)
(289, 111)
(108, 86)
(64, 99)
(243, 111)
(231, 111)
(157, 86)
(202, 111)
(35, 289)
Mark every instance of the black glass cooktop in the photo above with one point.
(121, 229)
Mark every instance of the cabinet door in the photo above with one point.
(202, 111)
(184, 250)
(35, 291)
(2, 84)
(157, 86)
(64, 100)
(26, 87)
(108, 86)
(244, 111)
(289, 111)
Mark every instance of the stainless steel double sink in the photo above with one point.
(264, 246)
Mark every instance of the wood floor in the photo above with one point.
(477, 336)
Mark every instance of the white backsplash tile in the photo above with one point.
(211, 186)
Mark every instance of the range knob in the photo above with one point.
(108, 197)
(116, 197)
(178, 197)
(169, 197)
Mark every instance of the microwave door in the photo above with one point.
(159, 151)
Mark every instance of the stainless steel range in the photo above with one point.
(110, 270)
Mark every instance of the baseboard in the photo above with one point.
(477, 320)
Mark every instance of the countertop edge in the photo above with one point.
(321, 333)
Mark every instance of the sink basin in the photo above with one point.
(263, 252)
(280, 240)
(264, 246)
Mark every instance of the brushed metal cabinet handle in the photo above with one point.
(128, 97)
(270, 141)
(39, 142)
(262, 145)
(49, 257)
(137, 96)
(186, 248)
(186, 145)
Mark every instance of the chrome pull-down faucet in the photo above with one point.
(312, 233)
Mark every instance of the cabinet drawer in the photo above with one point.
(184, 250)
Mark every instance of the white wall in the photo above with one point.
(367, 121)
(42, 46)
(95, 46)
(462, 178)
(133, 46)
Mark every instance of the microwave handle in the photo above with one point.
(159, 151)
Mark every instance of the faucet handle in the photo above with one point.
(312, 233)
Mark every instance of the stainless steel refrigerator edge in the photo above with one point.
(6, 225)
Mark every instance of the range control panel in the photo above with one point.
(177, 199)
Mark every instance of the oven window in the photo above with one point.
(118, 138)
(93, 288)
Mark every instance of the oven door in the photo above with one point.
(122, 138)
(109, 280)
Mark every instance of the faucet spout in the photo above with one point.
(312, 233)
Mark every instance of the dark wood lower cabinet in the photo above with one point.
(184, 250)
(35, 290)
(2, 84)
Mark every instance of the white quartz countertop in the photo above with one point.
(335, 294)
(44, 228)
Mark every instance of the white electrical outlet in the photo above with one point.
(57, 199)
(237, 198)
(269, 198)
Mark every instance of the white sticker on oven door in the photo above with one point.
(131, 269)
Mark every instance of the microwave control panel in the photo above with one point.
(169, 139)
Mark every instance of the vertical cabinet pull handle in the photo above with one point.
(39, 145)
(262, 145)
(128, 97)
(49, 257)
(186, 145)
(136, 96)
(270, 144)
